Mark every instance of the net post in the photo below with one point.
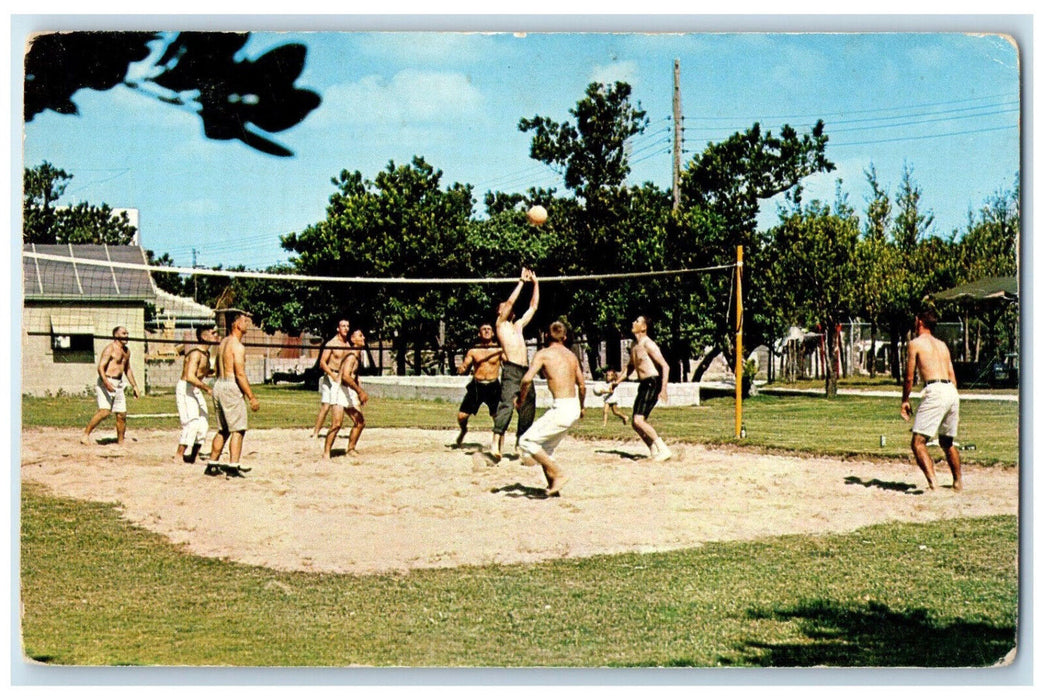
(739, 340)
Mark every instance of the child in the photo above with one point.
(609, 398)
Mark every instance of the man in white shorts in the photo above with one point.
(565, 380)
(330, 360)
(939, 411)
(114, 373)
(348, 396)
(190, 396)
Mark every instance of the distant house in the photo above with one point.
(71, 304)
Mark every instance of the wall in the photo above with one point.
(41, 376)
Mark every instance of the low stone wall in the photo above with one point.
(451, 389)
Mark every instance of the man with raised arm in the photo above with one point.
(333, 354)
(114, 373)
(565, 380)
(483, 361)
(514, 364)
(230, 391)
(190, 395)
(653, 372)
(939, 410)
(351, 398)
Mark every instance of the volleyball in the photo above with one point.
(536, 215)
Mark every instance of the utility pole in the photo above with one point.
(676, 169)
(195, 278)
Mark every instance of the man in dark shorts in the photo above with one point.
(515, 363)
(483, 361)
(653, 372)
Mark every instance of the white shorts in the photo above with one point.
(550, 428)
(938, 412)
(337, 394)
(116, 400)
(192, 406)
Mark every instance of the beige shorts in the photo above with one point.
(550, 428)
(115, 400)
(938, 412)
(230, 406)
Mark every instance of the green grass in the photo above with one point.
(98, 591)
(845, 425)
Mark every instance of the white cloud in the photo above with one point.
(412, 97)
(427, 47)
(623, 71)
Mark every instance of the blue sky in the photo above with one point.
(945, 104)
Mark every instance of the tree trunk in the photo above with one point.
(399, 343)
(873, 349)
(830, 364)
(704, 364)
(893, 345)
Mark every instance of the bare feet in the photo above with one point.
(958, 486)
(556, 485)
(85, 439)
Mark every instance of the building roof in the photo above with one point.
(70, 278)
(986, 289)
(63, 273)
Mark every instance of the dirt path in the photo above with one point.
(412, 502)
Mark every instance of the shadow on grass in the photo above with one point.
(873, 634)
(884, 485)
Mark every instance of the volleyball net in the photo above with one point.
(75, 296)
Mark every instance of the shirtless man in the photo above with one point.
(349, 397)
(565, 380)
(114, 373)
(330, 363)
(230, 389)
(515, 361)
(189, 395)
(938, 412)
(483, 361)
(653, 372)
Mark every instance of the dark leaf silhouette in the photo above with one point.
(57, 65)
(234, 98)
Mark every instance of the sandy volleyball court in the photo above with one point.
(412, 502)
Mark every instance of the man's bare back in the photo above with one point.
(561, 369)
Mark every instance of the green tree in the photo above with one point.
(876, 262)
(43, 221)
(732, 177)
(400, 224)
(721, 193)
(590, 155)
(919, 265)
(814, 247)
